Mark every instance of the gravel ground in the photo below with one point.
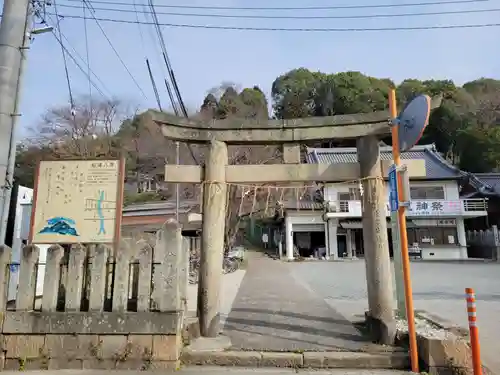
(438, 288)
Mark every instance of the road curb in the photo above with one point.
(316, 360)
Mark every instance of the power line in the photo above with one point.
(167, 61)
(302, 29)
(92, 13)
(154, 85)
(176, 90)
(165, 58)
(326, 7)
(75, 52)
(244, 16)
(87, 51)
(77, 64)
(136, 11)
(68, 81)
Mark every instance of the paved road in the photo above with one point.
(438, 288)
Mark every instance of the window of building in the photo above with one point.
(352, 195)
(427, 192)
(433, 235)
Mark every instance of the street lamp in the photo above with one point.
(42, 30)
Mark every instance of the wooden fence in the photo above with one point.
(145, 273)
(484, 243)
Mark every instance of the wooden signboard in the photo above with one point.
(77, 201)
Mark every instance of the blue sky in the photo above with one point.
(204, 58)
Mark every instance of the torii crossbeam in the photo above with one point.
(234, 131)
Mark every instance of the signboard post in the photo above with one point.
(407, 128)
(396, 242)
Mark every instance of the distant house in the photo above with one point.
(149, 217)
(435, 219)
(145, 182)
(484, 185)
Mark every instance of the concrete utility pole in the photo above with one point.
(14, 39)
(177, 187)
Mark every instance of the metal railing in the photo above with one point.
(337, 206)
(475, 204)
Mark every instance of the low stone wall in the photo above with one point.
(443, 349)
(101, 309)
(106, 352)
(443, 356)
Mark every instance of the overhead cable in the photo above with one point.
(63, 51)
(75, 52)
(301, 29)
(114, 49)
(303, 17)
(312, 7)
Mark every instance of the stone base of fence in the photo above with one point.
(102, 308)
(96, 352)
(101, 341)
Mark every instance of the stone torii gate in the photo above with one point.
(365, 128)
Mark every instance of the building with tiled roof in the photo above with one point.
(436, 167)
(435, 217)
(483, 185)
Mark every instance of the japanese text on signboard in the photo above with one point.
(427, 207)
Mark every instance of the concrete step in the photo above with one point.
(220, 371)
(315, 360)
(202, 370)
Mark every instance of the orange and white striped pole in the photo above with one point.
(470, 297)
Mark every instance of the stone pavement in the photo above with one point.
(438, 288)
(217, 371)
(229, 289)
(274, 311)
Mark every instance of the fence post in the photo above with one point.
(98, 277)
(166, 287)
(184, 273)
(496, 241)
(145, 275)
(55, 254)
(74, 284)
(27, 278)
(474, 332)
(5, 254)
(122, 273)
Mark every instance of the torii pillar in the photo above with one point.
(212, 239)
(380, 317)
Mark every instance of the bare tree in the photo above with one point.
(230, 103)
(86, 131)
(487, 111)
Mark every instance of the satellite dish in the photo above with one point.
(412, 121)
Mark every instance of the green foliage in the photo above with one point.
(301, 93)
(249, 103)
(27, 159)
(464, 127)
